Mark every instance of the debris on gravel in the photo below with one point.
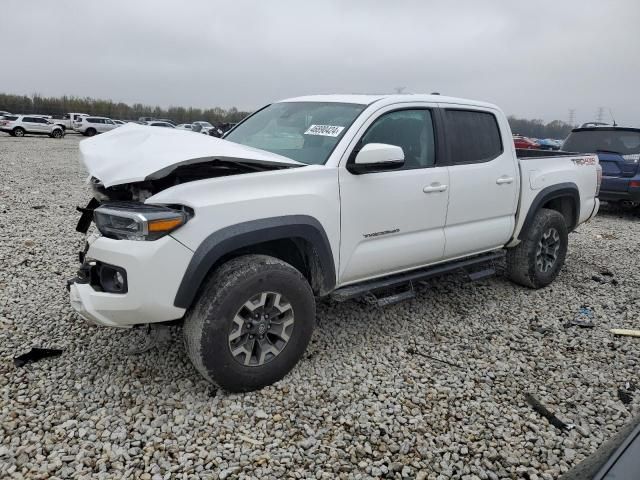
(359, 406)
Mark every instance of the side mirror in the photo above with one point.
(377, 157)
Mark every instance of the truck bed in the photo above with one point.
(524, 153)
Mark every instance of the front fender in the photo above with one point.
(245, 234)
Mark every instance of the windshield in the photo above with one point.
(303, 131)
(624, 142)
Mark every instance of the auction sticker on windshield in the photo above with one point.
(324, 130)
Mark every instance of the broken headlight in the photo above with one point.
(138, 221)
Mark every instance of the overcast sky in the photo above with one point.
(535, 59)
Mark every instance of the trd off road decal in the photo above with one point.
(584, 161)
(324, 130)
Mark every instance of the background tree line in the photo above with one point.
(107, 108)
(538, 129)
(122, 111)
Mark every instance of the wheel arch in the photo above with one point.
(299, 240)
(562, 197)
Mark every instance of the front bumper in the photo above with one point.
(154, 271)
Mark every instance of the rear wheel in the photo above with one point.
(537, 260)
(18, 132)
(251, 323)
(90, 132)
(57, 133)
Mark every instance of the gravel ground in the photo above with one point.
(358, 406)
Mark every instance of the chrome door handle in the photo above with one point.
(504, 179)
(435, 187)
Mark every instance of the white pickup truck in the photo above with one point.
(67, 120)
(337, 195)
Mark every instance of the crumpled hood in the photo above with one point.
(133, 153)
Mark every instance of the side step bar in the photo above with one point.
(354, 291)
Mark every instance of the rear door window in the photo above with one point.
(472, 136)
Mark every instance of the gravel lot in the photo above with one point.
(359, 405)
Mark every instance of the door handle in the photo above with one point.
(435, 187)
(504, 179)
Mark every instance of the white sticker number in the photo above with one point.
(324, 130)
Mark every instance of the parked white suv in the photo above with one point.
(336, 195)
(90, 126)
(20, 125)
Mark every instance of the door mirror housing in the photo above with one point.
(377, 157)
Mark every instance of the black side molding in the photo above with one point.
(549, 193)
(245, 234)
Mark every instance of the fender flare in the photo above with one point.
(566, 189)
(245, 234)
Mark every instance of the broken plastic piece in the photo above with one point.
(546, 413)
(87, 215)
(624, 396)
(36, 354)
(625, 332)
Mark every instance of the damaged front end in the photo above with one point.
(134, 162)
(131, 267)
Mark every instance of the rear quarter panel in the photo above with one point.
(542, 172)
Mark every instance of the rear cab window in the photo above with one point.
(473, 136)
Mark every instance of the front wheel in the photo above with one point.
(18, 132)
(537, 260)
(251, 323)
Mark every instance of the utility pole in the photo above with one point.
(600, 115)
(572, 117)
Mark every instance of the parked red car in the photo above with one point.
(524, 142)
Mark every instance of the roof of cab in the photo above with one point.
(363, 99)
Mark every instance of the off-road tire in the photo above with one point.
(522, 261)
(90, 132)
(209, 321)
(18, 132)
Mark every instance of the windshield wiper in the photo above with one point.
(608, 151)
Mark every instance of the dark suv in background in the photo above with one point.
(618, 149)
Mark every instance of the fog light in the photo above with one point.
(113, 279)
(119, 281)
